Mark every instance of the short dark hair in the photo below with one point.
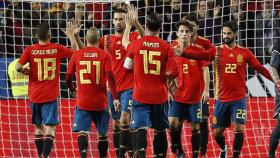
(43, 31)
(232, 25)
(153, 22)
(191, 17)
(119, 10)
(184, 23)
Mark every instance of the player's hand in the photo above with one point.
(170, 96)
(73, 93)
(73, 90)
(133, 12)
(77, 27)
(25, 70)
(128, 20)
(178, 51)
(117, 104)
(278, 86)
(69, 32)
(205, 96)
(172, 86)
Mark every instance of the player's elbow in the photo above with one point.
(18, 67)
(128, 63)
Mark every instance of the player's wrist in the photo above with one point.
(278, 85)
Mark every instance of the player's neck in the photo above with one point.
(92, 45)
(119, 34)
(151, 33)
(43, 42)
(184, 44)
(230, 46)
(194, 37)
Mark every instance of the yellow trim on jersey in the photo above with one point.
(203, 38)
(216, 72)
(196, 45)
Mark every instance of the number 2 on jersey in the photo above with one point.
(44, 68)
(148, 59)
(87, 70)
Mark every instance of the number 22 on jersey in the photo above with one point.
(148, 60)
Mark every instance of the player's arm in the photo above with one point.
(255, 64)
(274, 65)
(128, 63)
(134, 15)
(128, 23)
(205, 55)
(69, 32)
(23, 60)
(173, 70)
(206, 77)
(69, 76)
(112, 82)
(76, 29)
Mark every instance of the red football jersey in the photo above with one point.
(190, 80)
(204, 42)
(44, 63)
(91, 65)
(113, 44)
(230, 70)
(150, 57)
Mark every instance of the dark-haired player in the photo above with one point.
(187, 97)
(230, 62)
(124, 81)
(274, 72)
(44, 65)
(149, 57)
(206, 44)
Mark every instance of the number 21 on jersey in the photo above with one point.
(87, 70)
(148, 60)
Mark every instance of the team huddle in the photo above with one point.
(143, 82)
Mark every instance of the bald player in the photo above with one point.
(93, 68)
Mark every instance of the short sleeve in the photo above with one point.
(25, 57)
(275, 58)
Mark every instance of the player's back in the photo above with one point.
(44, 62)
(150, 55)
(91, 66)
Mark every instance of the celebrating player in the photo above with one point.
(124, 81)
(187, 98)
(44, 61)
(206, 44)
(274, 72)
(230, 62)
(149, 57)
(92, 65)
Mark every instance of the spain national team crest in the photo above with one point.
(239, 58)
(214, 120)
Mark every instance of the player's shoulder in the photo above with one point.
(203, 38)
(197, 46)
(243, 49)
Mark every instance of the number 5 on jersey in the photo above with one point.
(148, 60)
(87, 70)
